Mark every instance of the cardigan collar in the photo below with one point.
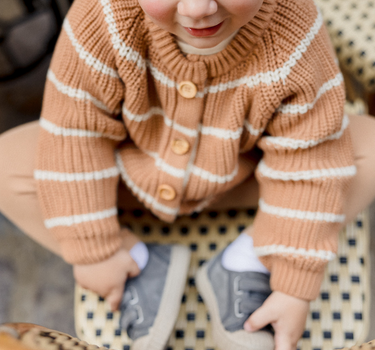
(198, 68)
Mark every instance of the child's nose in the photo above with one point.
(197, 9)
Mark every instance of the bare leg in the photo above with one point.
(362, 190)
(18, 199)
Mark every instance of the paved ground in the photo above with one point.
(35, 285)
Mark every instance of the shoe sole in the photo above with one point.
(170, 302)
(238, 340)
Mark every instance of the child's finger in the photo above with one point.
(283, 342)
(114, 298)
(133, 269)
(259, 319)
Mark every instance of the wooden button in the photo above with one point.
(180, 146)
(187, 89)
(166, 192)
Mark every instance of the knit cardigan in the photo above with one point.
(114, 106)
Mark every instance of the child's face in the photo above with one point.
(201, 23)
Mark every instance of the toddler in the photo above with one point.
(184, 101)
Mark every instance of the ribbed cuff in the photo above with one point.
(300, 283)
(78, 251)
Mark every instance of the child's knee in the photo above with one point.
(362, 131)
(5, 172)
(17, 159)
(16, 176)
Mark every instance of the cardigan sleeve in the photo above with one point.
(304, 174)
(76, 172)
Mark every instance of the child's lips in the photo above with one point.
(200, 32)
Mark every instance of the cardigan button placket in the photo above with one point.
(180, 146)
(166, 192)
(187, 89)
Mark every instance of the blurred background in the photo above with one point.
(28, 33)
(35, 285)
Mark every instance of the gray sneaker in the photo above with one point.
(151, 301)
(231, 297)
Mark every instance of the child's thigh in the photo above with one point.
(17, 159)
(362, 190)
(18, 199)
(362, 131)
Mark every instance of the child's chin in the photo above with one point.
(204, 43)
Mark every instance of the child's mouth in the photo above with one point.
(204, 31)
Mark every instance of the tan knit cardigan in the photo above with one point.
(116, 106)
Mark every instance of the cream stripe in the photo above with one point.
(206, 175)
(182, 129)
(162, 165)
(301, 109)
(221, 133)
(158, 111)
(60, 131)
(76, 93)
(89, 59)
(252, 130)
(284, 250)
(143, 195)
(266, 171)
(180, 173)
(142, 117)
(299, 214)
(125, 51)
(69, 177)
(202, 205)
(79, 219)
(160, 77)
(285, 142)
(205, 130)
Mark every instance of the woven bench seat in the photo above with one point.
(351, 25)
(338, 318)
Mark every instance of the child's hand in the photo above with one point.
(107, 278)
(287, 315)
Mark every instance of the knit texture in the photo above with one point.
(112, 109)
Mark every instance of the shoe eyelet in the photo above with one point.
(237, 312)
(236, 285)
(140, 318)
(134, 294)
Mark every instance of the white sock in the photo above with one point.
(240, 256)
(139, 253)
